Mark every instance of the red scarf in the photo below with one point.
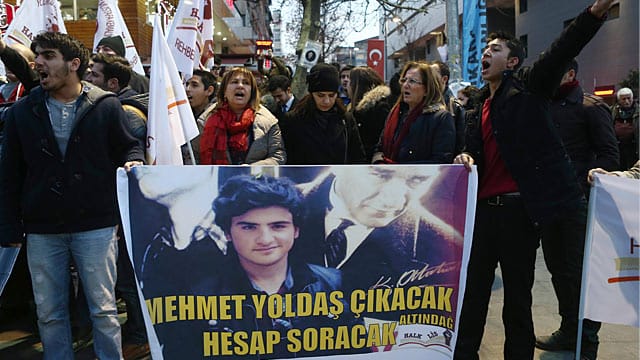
(389, 147)
(224, 132)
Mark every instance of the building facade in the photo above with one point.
(606, 60)
(238, 23)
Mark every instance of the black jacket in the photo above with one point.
(321, 138)
(523, 128)
(185, 339)
(44, 192)
(370, 114)
(277, 111)
(586, 129)
(431, 139)
(19, 66)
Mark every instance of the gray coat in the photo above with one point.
(266, 147)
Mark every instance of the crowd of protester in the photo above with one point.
(348, 116)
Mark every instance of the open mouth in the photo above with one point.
(485, 65)
(43, 75)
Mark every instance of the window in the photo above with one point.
(522, 6)
(525, 45)
(78, 9)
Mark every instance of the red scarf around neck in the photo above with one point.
(224, 131)
(389, 147)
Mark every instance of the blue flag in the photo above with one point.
(474, 35)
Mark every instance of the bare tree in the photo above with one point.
(328, 21)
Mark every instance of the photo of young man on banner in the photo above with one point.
(282, 262)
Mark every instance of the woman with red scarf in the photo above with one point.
(418, 129)
(240, 130)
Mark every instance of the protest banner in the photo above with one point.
(109, 22)
(205, 242)
(474, 35)
(8, 256)
(611, 276)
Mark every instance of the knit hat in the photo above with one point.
(323, 77)
(115, 43)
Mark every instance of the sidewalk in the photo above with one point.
(616, 342)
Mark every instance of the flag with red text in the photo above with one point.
(191, 36)
(109, 22)
(171, 122)
(32, 18)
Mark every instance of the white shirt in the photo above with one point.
(355, 234)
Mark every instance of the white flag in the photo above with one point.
(171, 122)
(612, 253)
(205, 41)
(32, 18)
(191, 36)
(182, 38)
(111, 23)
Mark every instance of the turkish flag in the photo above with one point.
(376, 56)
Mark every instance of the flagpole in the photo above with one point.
(585, 263)
(193, 158)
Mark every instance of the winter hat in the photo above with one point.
(115, 43)
(323, 77)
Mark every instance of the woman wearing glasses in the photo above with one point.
(418, 129)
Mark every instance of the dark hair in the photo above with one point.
(346, 68)
(363, 79)
(114, 66)
(69, 47)
(394, 85)
(469, 91)
(207, 80)
(243, 193)
(443, 69)
(279, 82)
(572, 65)
(308, 105)
(514, 45)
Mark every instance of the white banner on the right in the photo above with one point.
(611, 278)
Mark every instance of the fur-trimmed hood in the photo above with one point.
(372, 97)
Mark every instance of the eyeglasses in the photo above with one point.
(412, 82)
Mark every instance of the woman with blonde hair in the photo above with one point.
(419, 129)
(240, 130)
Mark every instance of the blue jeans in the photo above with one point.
(94, 253)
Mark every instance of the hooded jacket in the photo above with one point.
(43, 191)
